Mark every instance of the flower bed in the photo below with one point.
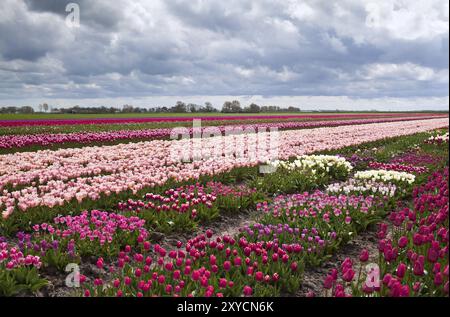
(305, 173)
(319, 165)
(263, 260)
(333, 216)
(76, 174)
(18, 271)
(386, 176)
(94, 233)
(399, 167)
(413, 258)
(202, 267)
(267, 258)
(182, 208)
(416, 158)
(438, 139)
(53, 122)
(358, 187)
(43, 140)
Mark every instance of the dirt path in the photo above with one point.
(225, 225)
(230, 225)
(314, 276)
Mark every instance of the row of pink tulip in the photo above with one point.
(20, 141)
(26, 168)
(11, 257)
(51, 178)
(398, 167)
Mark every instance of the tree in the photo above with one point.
(254, 108)
(127, 108)
(273, 109)
(236, 106)
(45, 107)
(27, 109)
(293, 109)
(192, 107)
(227, 107)
(208, 108)
(180, 107)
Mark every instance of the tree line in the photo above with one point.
(180, 107)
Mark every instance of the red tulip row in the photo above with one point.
(399, 167)
(53, 122)
(265, 259)
(413, 250)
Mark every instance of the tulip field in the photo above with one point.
(101, 207)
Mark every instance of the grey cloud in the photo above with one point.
(101, 14)
(54, 6)
(142, 48)
(24, 37)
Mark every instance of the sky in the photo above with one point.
(313, 54)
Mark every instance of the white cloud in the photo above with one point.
(300, 10)
(409, 20)
(399, 71)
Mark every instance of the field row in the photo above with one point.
(35, 181)
(36, 141)
(333, 198)
(74, 119)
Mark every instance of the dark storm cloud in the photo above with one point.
(55, 6)
(104, 14)
(23, 38)
(130, 48)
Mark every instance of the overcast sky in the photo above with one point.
(347, 54)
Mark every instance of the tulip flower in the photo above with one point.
(438, 279)
(227, 266)
(248, 291)
(364, 256)
(401, 270)
(348, 275)
(418, 268)
(328, 282)
(403, 242)
(294, 266)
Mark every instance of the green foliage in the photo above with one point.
(18, 280)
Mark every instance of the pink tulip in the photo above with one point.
(348, 275)
(364, 256)
(227, 266)
(294, 266)
(438, 279)
(403, 242)
(248, 291)
(401, 270)
(328, 282)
